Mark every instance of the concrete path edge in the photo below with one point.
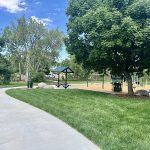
(25, 127)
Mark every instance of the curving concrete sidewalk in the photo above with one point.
(24, 127)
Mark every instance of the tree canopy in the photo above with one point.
(31, 47)
(5, 72)
(110, 35)
(79, 72)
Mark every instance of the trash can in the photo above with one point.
(29, 84)
(117, 87)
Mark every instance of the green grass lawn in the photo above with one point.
(17, 84)
(14, 84)
(111, 122)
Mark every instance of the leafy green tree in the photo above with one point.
(79, 72)
(46, 50)
(31, 48)
(16, 43)
(112, 34)
(5, 72)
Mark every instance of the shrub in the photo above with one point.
(5, 77)
(39, 77)
(5, 72)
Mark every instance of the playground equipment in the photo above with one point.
(64, 70)
(117, 83)
(139, 81)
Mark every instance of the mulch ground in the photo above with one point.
(108, 89)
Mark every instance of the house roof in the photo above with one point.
(62, 69)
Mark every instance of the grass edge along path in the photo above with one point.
(112, 123)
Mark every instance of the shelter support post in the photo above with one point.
(66, 79)
(103, 81)
(58, 79)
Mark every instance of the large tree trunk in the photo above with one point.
(130, 86)
(19, 71)
(27, 67)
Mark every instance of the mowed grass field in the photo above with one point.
(23, 83)
(13, 84)
(113, 123)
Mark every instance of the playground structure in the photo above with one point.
(101, 82)
(61, 71)
(107, 88)
(116, 85)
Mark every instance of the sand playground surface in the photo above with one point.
(108, 88)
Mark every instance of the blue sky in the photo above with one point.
(50, 12)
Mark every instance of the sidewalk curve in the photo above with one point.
(24, 127)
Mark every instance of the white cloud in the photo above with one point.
(13, 6)
(44, 21)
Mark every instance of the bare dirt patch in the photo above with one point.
(108, 88)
